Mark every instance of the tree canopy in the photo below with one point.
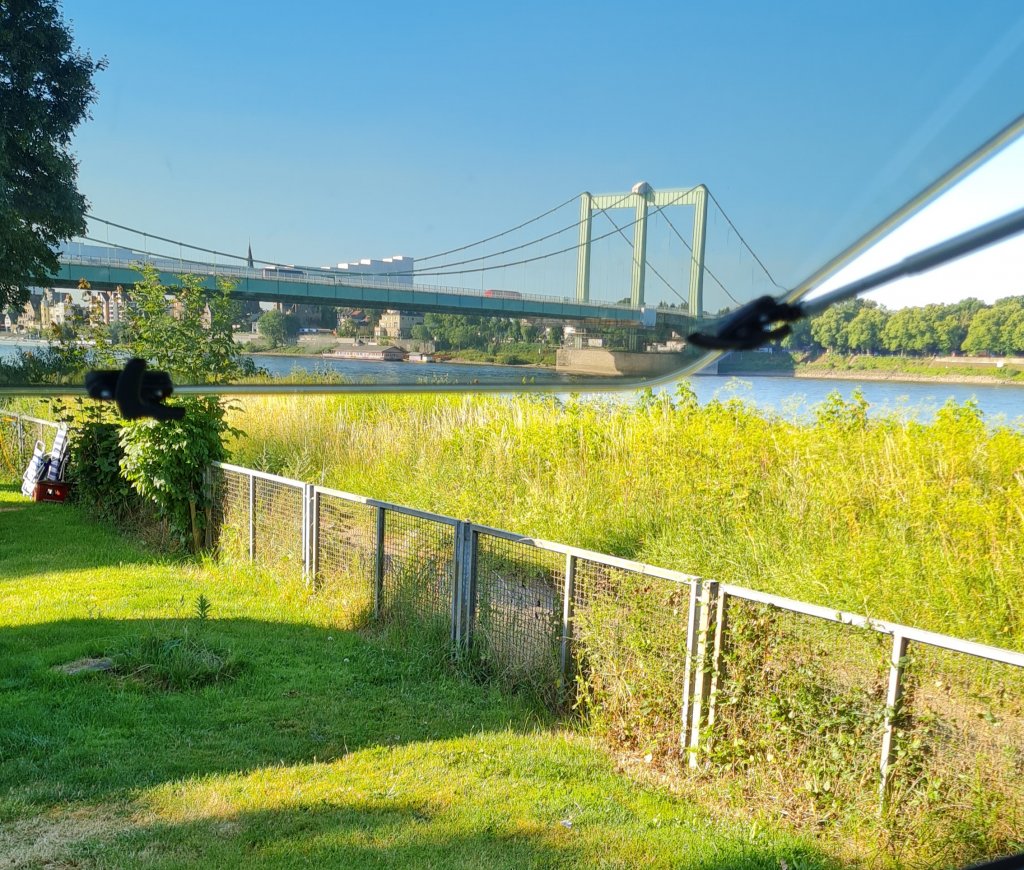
(277, 327)
(45, 93)
(968, 326)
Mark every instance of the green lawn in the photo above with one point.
(330, 747)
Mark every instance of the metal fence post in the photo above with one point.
(893, 703)
(308, 519)
(692, 617)
(208, 513)
(252, 518)
(378, 565)
(721, 615)
(469, 567)
(458, 559)
(568, 599)
(702, 665)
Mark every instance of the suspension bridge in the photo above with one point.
(506, 271)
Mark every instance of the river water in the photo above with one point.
(793, 398)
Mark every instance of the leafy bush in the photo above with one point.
(94, 463)
(166, 462)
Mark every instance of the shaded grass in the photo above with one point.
(174, 662)
(330, 746)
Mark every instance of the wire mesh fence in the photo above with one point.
(517, 624)
(418, 571)
(279, 536)
(800, 705)
(344, 552)
(259, 517)
(229, 513)
(630, 632)
(18, 436)
(958, 766)
(799, 710)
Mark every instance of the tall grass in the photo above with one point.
(906, 521)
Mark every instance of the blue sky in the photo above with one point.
(330, 131)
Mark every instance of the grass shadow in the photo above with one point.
(302, 692)
(48, 538)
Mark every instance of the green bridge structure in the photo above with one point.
(342, 288)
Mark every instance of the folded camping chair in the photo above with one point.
(58, 456)
(35, 471)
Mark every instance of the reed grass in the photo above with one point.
(912, 522)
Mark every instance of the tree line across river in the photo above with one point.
(968, 326)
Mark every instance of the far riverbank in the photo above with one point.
(920, 370)
(322, 351)
(906, 377)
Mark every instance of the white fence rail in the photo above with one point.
(18, 435)
(517, 597)
(678, 662)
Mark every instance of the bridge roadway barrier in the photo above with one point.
(344, 290)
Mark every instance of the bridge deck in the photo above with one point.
(355, 291)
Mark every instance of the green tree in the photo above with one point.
(864, 331)
(983, 336)
(45, 93)
(277, 327)
(800, 338)
(829, 328)
(189, 335)
(998, 330)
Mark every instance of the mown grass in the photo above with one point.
(917, 523)
(328, 747)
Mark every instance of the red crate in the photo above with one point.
(47, 491)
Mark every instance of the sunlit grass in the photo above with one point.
(329, 747)
(907, 522)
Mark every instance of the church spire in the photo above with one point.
(248, 259)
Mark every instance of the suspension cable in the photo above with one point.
(646, 261)
(510, 250)
(704, 266)
(575, 247)
(739, 235)
(499, 235)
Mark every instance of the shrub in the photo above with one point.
(166, 462)
(94, 463)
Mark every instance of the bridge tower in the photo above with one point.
(640, 199)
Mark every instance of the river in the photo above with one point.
(793, 398)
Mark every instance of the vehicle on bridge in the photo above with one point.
(503, 294)
(282, 272)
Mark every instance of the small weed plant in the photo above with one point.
(176, 662)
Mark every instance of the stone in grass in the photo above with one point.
(84, 666)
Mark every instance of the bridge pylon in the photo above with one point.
(640, 199)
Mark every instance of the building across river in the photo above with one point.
(373, 354)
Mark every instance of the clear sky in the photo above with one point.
(326, 131)
(994, 189)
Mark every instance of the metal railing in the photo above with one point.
(329, 278)
(18, 435)
(675, 662)
(857, 710)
